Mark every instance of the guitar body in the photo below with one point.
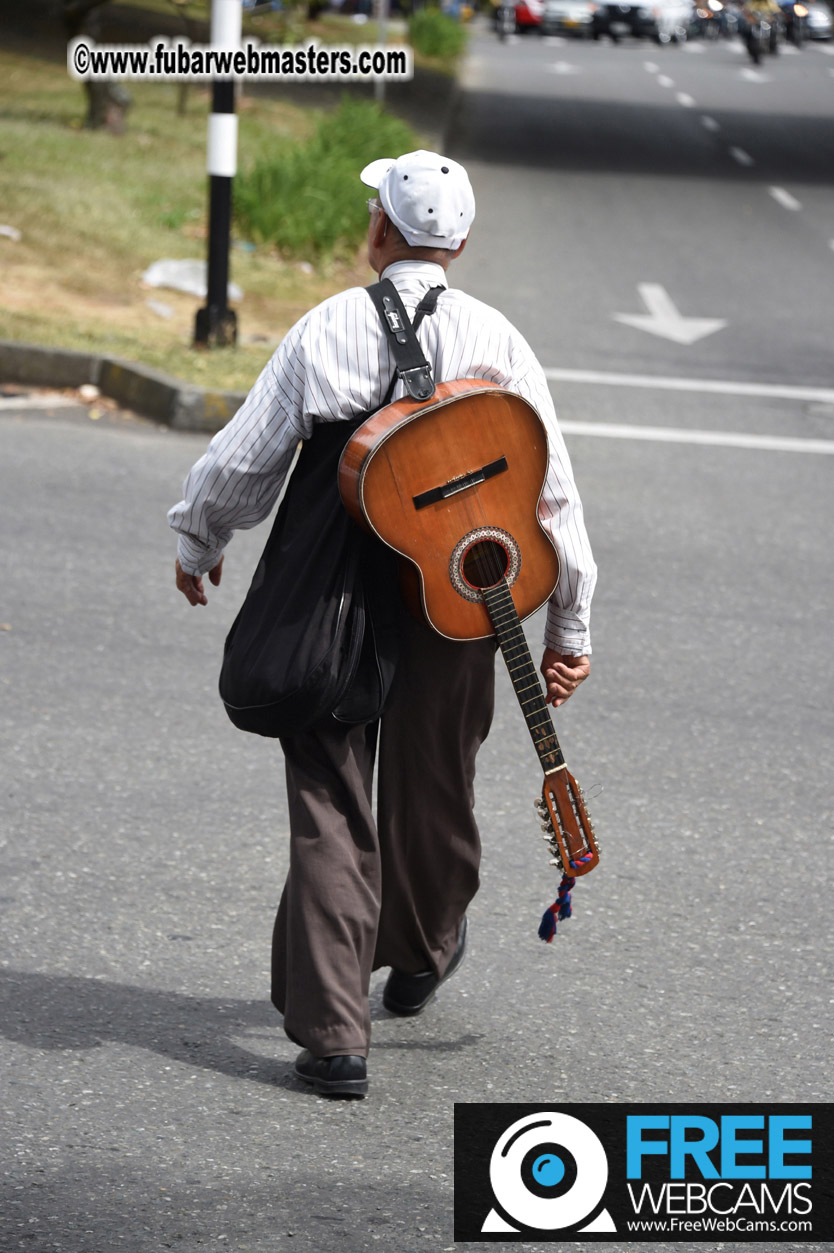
(453, 484)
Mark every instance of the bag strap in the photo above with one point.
(412, 366)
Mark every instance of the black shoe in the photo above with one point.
(344, 1075)
(406, 995)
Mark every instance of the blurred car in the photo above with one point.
(569, 17)
(665, 21)
(669, 21)
(818, 22)
(616, 20)
(528, 14)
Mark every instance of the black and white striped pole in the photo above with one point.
(216, 324)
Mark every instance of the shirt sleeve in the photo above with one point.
(236, 482)
(567, 629)
(326, 368)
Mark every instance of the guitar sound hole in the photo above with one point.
(485, 564)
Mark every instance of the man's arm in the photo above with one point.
(309, 378)
(235, 484)
(567, 636)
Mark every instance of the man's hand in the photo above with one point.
(563, 674)
(191, 585)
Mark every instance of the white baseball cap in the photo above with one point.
(428, 197)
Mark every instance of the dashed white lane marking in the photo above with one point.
(665, 81)
(688, 102)
(743, 158)
(784, 198)
(754, 76)
(715, 387)
(651, 67)
(710, 124)
(715, 439)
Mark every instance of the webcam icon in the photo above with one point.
(548, 1171)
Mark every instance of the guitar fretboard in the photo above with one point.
(523, 673)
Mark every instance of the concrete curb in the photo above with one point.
(182, 406)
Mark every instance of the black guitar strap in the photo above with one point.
(412, 366)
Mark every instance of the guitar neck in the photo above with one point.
(523, 673)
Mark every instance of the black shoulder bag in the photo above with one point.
(316, 635)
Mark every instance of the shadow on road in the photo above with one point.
(614, 137)
(69, 1012)
(47, 1012)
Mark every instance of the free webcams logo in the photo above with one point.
(548, 1171)
(646, 1172)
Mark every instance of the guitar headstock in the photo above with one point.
(566, 824)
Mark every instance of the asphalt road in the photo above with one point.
(597, 165)
(149, 1099)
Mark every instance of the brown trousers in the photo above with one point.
(361, 894)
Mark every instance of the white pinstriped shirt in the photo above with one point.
(336, 363)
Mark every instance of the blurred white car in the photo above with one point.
(568, 17)
(818, 23)
(669, 21)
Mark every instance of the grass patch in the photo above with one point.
(95, 210)
(436, 36)
(302, 197)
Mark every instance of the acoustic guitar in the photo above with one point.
(452, 485)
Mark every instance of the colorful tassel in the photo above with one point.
(561, 907)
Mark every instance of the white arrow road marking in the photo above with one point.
(716, 439)
(665, 320)
(743, 158)
(784, 198)
(713, 387)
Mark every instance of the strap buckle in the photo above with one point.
(418, 382)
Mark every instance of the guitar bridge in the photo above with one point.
(460, 483)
